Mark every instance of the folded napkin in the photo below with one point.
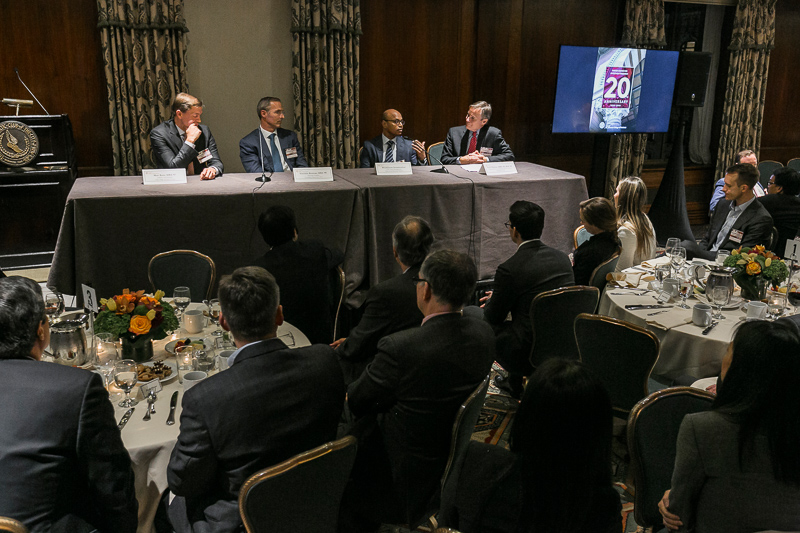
(653, 263)
(669, 320)
(625, 279)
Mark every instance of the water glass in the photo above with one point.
(776, 305)
(125, 376)
(53, 305)
(720, 295)
(722, 255)
(685, 289)
(105, 355)
(205, 358)
(185, 360)
(181, 297)
(677, 259)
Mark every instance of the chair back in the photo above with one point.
(652, 435)
(337, 285)
(358, 161)
(177, 268)
(773, 240)
(767, 169)
(11, 525)
(794, 163)
(553, 316)
(435, 153)
(598, 277)
(580, 235)
(620, 354)
(300, 494)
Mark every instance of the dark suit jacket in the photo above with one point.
(534, 268)
(457, 144)
(785, 212)
(252, 155)
(301, 269)
(60, 450)
(373, 152)
(592, 253)
(755, 222)
(418, 379)
(169, 150)
(390, 306)
(270, 405)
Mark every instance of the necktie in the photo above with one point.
(473, 142)
(277, 166)
(389, 152)
(190, 168)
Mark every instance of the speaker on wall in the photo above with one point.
(693, 70)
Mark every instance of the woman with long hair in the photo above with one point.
(599, 217)
(737, 467)
(635, 230)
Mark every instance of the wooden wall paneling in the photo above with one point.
(56, 46)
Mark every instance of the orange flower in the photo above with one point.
(753, 268)
(759, 248)
(125, 303)
(140, 325)
(148, 302)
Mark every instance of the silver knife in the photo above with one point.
(172, 403)
(709, 328)
(125, 418)
(634, 307)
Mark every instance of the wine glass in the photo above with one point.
(213, 313)
(685, 289)
(105, 355)
(720, 295)
(125, 376)
(53, 306)
(776, 304)
(672, 243)
(677, 259)
(793, 295)
(181, 297)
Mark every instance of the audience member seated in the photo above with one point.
(747, 157)
(416, 383)
(783, 205)
(599, 218)
(391, 305)
(737, 467)
(301, 269)
(534, 268)
(557, 476)
(635, 231)
(739, 220)
(272, 403)
(63, 467)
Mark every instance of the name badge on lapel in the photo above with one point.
(486, 150)
(204, 156)
(291, 153)
(736, 236)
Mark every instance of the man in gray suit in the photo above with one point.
(182, 142)
(476, 142)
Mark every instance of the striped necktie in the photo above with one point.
(389, 152)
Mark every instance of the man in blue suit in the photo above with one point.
(270, 148)
(390, 146)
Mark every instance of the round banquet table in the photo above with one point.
(150, 443)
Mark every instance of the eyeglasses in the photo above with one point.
(508, 225)
(470, 118)
(419, 280)
(396, 122)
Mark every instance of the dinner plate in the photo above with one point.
(172, 366)
(170, 347)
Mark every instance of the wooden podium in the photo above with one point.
(32, 197)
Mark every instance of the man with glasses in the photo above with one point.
(783, 205)
(476, 142)
(390, 146)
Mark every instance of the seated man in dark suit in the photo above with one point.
(63, 467)
(739, 219)
(391, 146)
(391, 305)
(476, 142)
(182, 142)
(534, 268)
(271, 404)
(270, 148)
(416, 382)
(783, 205)
(301, 269)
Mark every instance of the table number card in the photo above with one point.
(499, 168)
(312, 175)
(89, 298)
(792, 249)
(402, 168)
(163, 176)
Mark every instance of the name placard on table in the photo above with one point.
(163, 176)
(400, 168)
(499, 168)
(316, 174)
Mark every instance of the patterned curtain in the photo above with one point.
(644, 28)
(325, 79)
(752, 39)
(144, 52)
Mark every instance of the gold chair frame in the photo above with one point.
(12, 526)
(191, 252)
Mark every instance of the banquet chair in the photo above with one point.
(652, 435)
(598, 277)
(463, 428)
(620, 354)
(580, 236)
(435, 153)
(794, 163)
(302, 493)
(12, 526)
(773, 240)
(176, 268)
(337, 284)
(766, 169)
(553, 316)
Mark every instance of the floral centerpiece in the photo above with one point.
(754, 264)
(138, 320)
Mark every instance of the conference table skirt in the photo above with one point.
(112, 226)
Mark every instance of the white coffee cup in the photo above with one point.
(756, 309)
(672, 286)
(190, 379)
(701, 315)
(194, 321)
(222, 359)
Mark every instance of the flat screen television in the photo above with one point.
(614, 90)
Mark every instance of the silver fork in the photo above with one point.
(151, 398)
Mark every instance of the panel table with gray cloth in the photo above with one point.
(112, 226)
(465, 204)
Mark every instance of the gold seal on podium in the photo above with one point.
(19, 144)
